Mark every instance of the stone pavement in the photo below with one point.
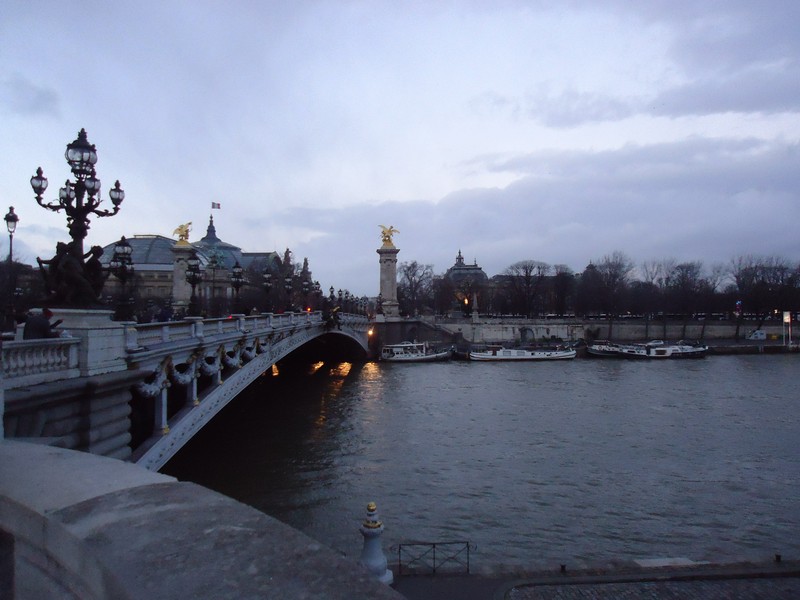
(684, 580)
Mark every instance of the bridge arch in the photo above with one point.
(232, 367)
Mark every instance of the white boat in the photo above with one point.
(658, 349)
(603, 348)
(521, 354)
(413, 352)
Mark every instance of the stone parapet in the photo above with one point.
(75, 525)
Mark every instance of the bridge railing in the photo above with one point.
(40, 361)
(151, 334)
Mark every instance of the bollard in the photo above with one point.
(372, 556)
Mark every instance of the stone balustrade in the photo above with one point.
(30, 362)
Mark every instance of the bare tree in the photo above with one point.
(563, 288)
(524, 281)
(415, 286)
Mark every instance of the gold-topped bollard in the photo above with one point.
(372, 556)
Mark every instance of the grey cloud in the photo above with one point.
(708, 200)
(571, 108)
(21, 96)
(766, 90)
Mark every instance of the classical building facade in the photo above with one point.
(159, 265)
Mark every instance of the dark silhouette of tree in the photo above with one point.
(414, 287)
(563, 289)
(615, 272)
(524, 282)
(443, 294)
(590, 285)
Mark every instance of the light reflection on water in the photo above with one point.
(538, 464)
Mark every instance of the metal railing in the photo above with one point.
(422, 558)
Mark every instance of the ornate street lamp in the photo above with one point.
(267, 288)
(79, 200)
(317, 295)
(121, 267)
(11, 220)
(287, 286)
(237, 280)
(306, 286)
(193, 278)
(215, 262)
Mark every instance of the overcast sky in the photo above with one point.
(509, 130)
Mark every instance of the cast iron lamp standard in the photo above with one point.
(287, 286)
(79, 200)
(267, 288)
(193, 277)
(121, 267)
(237, 280)
(11, 220)
(306, 288)
(317, 295)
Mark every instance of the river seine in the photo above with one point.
(537, 464)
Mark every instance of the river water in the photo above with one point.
(536, 464)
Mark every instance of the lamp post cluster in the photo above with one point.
(67, 277)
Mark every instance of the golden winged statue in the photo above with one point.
(182, 231)
(386, 235)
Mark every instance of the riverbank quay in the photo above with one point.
(77, 525)
(674, 579)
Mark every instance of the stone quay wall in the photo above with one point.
(521, 331)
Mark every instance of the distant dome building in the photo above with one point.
(461, 273)
(467, 283)
(211, 246)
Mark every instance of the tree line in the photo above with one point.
(758, 287)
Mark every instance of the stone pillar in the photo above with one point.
(388, 289)
(103, 341)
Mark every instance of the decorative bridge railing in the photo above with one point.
(171, 372)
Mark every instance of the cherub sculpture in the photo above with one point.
(182, 231)
(386, 235)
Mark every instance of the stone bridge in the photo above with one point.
(140, 392)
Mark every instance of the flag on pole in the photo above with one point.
(215, 205)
